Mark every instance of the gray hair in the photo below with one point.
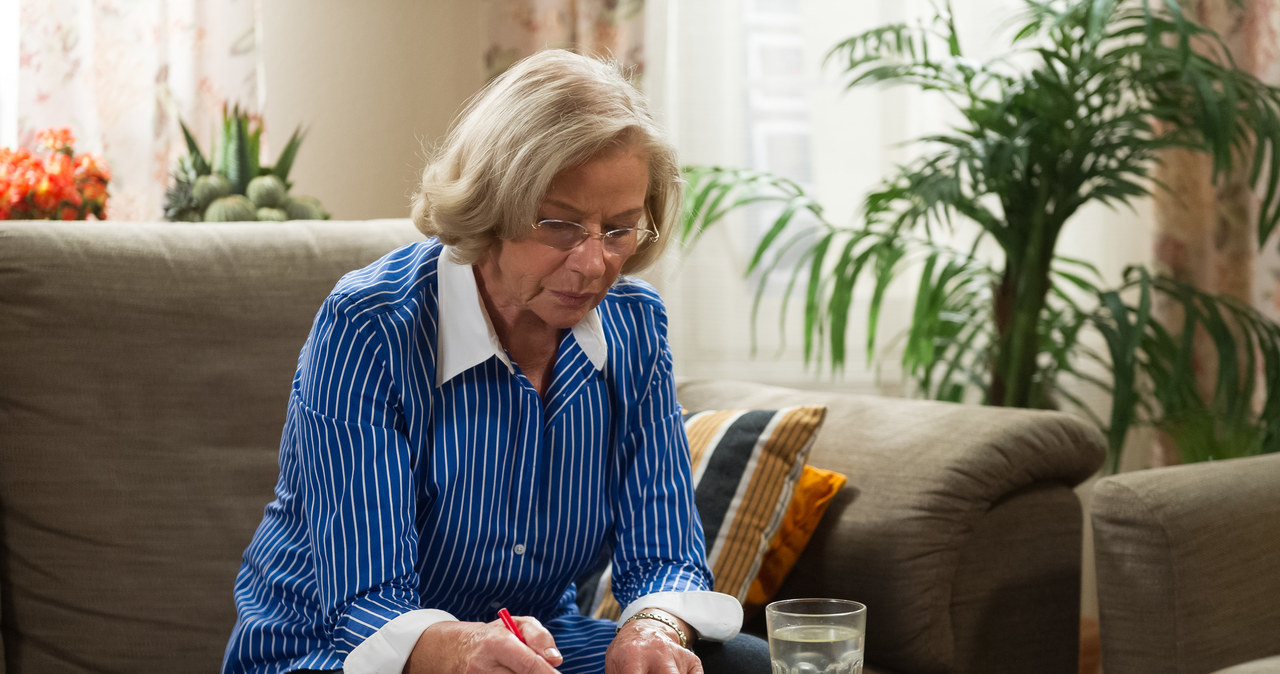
(549, 112)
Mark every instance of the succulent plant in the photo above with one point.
(272, 214)
(233, 208)
(266, 191)
(206, 189)
(180, 204)
(303, 207)
(233, 169)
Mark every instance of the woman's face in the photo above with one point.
(525, 279)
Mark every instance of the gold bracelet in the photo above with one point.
(684, 641)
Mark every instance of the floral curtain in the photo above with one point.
(518, 28)
(119, 73)
(1264, 42)
(1206, 232)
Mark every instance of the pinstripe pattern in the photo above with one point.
(396, 495)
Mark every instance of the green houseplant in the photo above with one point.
(1080, 110)
(232, 184)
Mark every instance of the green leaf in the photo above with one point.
(886, 269)
(285, 162)
(253, 140)
(198, 163)
(779, 224)
(239, 169)
(813, 297)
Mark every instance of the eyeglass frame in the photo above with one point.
(602, 235)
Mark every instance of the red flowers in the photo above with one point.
(59, 186)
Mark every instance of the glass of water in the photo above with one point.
(816, 636)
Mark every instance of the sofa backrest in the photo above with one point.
(144, 370)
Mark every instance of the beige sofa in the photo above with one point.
(1188, 562)
(143, 375)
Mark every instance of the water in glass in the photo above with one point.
(816, 649)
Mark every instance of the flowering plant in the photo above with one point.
(59, 186)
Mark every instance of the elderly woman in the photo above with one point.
(477, 416)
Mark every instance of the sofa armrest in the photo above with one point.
(1186, 556)
(958, 526)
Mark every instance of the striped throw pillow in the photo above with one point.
(745, 466)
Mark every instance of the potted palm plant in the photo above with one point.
(1079, 111)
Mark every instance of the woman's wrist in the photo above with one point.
(682, 631)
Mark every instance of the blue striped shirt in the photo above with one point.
(398, 492)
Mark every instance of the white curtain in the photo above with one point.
(119, 72)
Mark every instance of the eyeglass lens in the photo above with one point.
(565, 235)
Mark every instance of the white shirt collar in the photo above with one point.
(466, 335)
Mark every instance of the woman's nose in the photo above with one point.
(588, 258)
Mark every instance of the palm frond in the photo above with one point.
(1099, 91)
(1245, 345)
(714, 192)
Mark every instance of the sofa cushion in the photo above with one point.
(144, 370)
(813, 493)
(745, 467)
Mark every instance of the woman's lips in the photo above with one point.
(572, 298)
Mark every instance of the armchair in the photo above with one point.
(1188, 563)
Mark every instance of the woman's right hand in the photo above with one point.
(456, 647)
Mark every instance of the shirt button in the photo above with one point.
(519, 549)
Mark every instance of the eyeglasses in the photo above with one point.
(566, 235)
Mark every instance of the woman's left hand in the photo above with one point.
(647, 646)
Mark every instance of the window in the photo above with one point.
(741, 83)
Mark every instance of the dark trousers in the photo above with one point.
(743, 654)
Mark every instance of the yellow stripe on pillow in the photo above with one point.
(745, 467)
(809, 501)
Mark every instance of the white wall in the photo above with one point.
(371, 82)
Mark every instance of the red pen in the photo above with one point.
(505, 615)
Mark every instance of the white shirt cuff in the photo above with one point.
(388, 649)
(715, 615)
